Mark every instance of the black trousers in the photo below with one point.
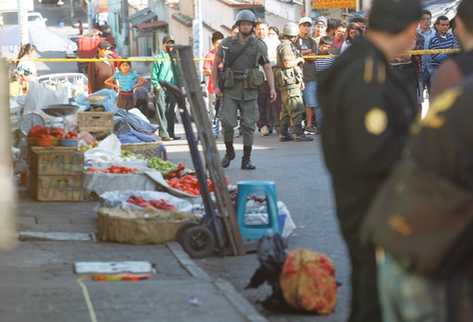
(365, 304)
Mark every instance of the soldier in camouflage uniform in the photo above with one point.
(289, 79)
(239, 83)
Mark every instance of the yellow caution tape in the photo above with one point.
(407, 53)
(154, 59)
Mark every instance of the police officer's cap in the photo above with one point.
(393, 16)
(291, 29)
(304, 20)
(245, 15)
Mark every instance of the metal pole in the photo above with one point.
(71, 12)
(23, 21)
(307, 8)
(126, 29)
(90, 15)
(198, 35)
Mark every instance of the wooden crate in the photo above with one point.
(95, 122)
(56, 161)
(58, 188)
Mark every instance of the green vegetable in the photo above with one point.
(161, 165)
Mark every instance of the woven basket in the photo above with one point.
(149, 150)
(117, 225)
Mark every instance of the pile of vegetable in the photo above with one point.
(45, 136)
(71, 135)
(113, 170)
(189, 184)
(130, 156)
(160, 204)
(162, 166)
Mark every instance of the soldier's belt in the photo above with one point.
(240, 75)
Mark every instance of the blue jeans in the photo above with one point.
(408, 297)
(311, 100)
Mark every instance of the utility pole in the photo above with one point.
(90, 14)
(198, 34)
(23, 21)
(307, 7)
(71, 12)
(125, 28)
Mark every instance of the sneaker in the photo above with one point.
(312, 130)
(166, 138)
(264, 131)
(303, 138)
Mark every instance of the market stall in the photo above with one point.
(85, 147)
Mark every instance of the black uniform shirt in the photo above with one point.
(367, 114)
(442, 142)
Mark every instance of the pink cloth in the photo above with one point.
(208, 65)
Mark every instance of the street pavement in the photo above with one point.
(38, 283)
(303, 183)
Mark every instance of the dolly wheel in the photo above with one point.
(198, 241)
(182, 230)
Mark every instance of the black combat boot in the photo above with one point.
(300, 136)
(245, 161)
(229, 154)
(284, 135)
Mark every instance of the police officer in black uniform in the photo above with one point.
(367, 114)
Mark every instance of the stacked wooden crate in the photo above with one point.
(99, 124)
(56, 174)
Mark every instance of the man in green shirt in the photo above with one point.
(164, 69)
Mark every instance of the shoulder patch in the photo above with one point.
(381, 73)
(376, 121)
(368, 70)
(441, 104)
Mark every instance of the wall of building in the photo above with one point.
(180, 31)
(282, 11)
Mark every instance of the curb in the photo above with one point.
(239, 302)
(186, 262)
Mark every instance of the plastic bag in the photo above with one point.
(108, 150)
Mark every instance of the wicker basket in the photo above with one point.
(124, 226)
(149, 150)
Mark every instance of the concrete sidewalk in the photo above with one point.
(38, 282)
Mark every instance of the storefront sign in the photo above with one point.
(334, 4)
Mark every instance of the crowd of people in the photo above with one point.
(311, 40)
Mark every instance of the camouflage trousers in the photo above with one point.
(248, 116)
(408, 297)
(292, 111)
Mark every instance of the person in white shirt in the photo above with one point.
(268, 111)
(26, 67)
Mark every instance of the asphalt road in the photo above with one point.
(304, 185)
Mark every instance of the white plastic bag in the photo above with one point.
(108, 150)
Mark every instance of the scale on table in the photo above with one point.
(61, 111)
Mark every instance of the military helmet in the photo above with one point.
(290, 29)
(245, 15)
